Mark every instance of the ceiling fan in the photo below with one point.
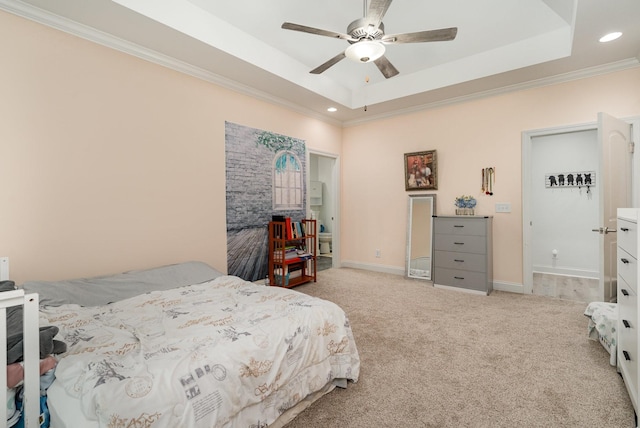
(367, 38)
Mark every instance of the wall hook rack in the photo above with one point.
(488, 180)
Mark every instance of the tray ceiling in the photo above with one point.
(500, 44)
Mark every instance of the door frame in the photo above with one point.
(335, 199)
(527, 142)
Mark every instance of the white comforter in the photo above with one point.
(222, 353)
(603, 321)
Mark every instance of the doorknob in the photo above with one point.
(603, 230)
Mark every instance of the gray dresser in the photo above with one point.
(463, 253)
(628, 351)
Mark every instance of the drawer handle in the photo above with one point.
(624, 229)
(626, 324)
(459, 243)
(458, 225)
(458, 260)
(624, 292)
(626, 356)
(625, 261)
(459, 277)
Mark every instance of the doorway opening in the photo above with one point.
(562, 256)
(563, 188)
(323, 207)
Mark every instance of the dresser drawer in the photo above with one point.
(460, 243)
(628, 236)
(627, 295)
(628, 362)
(460, 261)
(460, 278)
(460, 226)
(628, 317)
(628, 335)
(628, 268)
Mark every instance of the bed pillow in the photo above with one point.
(102, 290)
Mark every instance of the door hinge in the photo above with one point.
(632, 147)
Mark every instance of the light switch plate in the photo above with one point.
(503, 207)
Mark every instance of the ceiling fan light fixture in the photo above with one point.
(365, 51)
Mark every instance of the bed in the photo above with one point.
(184, 345)
(603, 319)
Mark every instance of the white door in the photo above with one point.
(616, 148)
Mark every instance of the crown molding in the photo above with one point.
(91, 34)
(547, 81)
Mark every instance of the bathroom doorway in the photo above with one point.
(323, 206)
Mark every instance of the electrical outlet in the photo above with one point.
(378, 253)
(503, 207)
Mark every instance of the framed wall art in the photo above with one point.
(421, 170)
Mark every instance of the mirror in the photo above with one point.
(422, 208)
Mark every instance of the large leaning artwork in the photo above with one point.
(265, 176)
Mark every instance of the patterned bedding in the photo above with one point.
(224, 353)
(603, 319)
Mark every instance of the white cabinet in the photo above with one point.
(463, 253)
(628, 321)
(315, 192)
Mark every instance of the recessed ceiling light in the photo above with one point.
(611, 36)
(332, 109)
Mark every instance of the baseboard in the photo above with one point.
(460, 289)
(581, 273)
(372, 267)
(510, 287)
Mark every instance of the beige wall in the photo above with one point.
(108, 162)
(467, 137)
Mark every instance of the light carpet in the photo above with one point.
(439, 358)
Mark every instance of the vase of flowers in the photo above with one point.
(465, 205)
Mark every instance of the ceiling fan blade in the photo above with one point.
(385, 67)
(318, 31)
(333, 61)
(377, 10)
(442, 35)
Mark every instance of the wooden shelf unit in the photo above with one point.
(280, 268)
